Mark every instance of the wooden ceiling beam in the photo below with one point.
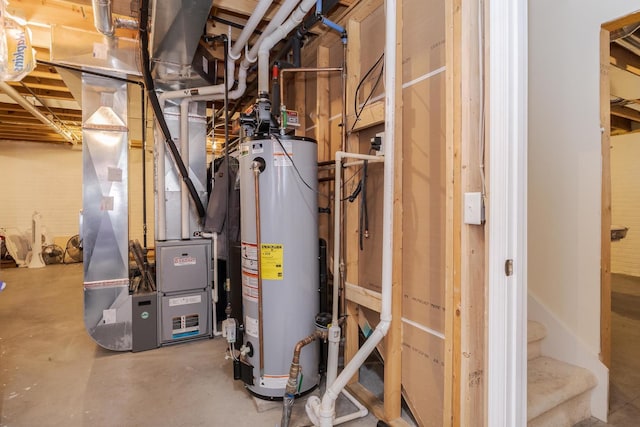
(620, 123)
(40, 136)
(43, 93)
(60, 112)
(625, 112)
(27, 139)
(44, 83)
(245, 7)
(624, 59)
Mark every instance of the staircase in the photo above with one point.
(558, 394)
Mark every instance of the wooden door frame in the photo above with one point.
(605, 235)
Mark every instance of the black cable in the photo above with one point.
(274, 135)
(230, 184)
(93, 73)
(364, 214)
(364, 78)
(155, 104)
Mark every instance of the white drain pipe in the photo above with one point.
(184, 153)
(323, 412)
(192, 95)
(251, 55)
(214, 297)
(270, 41)
(234, 54)
(161, 199)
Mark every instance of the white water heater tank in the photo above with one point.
(289, 254)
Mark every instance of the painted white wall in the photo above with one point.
(625, 202)
(48, 178)
(565, 159)
(40, 177)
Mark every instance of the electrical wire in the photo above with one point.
(364, 78)
(481, 131)
(275, 136)
(364, 213)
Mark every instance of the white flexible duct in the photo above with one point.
(234, 54)
(324, 411)
(15, 95)
(270, 41)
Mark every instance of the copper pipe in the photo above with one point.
(298, 70)
(343, 144)
(294, 370)
(256, 181)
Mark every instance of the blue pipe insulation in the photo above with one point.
(329, 23)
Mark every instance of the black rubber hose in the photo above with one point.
(155, 104)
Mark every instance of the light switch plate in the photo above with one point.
(473, 211)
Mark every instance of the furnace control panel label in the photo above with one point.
(272, 258)
(180, 261)
(194, 299)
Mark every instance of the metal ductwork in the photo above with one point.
(177, 26)
(15, 95)
(102, 17)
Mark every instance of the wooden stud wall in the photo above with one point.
(434, 353)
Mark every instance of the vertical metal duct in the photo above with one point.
(102, 17)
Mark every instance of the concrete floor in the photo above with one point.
(625, 355)
(52, 373)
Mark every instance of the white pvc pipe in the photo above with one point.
(215, 268)
(234, 54)
(251, 57)
(334, 330)
(250, 26)
(184, 153)
(161, 200)
(278, 18)
(214, 293)
(326, 411)
(281, 32)
(360, 413)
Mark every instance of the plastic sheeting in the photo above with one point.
(17, 57)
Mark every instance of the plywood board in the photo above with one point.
(423, 375)
(424, 203)
(423, 38)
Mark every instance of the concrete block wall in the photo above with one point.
(625, 203)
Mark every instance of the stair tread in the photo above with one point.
(535, 331)
(552, 382)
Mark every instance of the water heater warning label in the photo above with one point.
(250, 271)
(272, 257)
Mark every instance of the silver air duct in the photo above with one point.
(102, 17)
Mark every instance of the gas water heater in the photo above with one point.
(279, 220)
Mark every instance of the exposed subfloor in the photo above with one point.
(52, 373)
(624, 375)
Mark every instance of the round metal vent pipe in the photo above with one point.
(102, 17)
